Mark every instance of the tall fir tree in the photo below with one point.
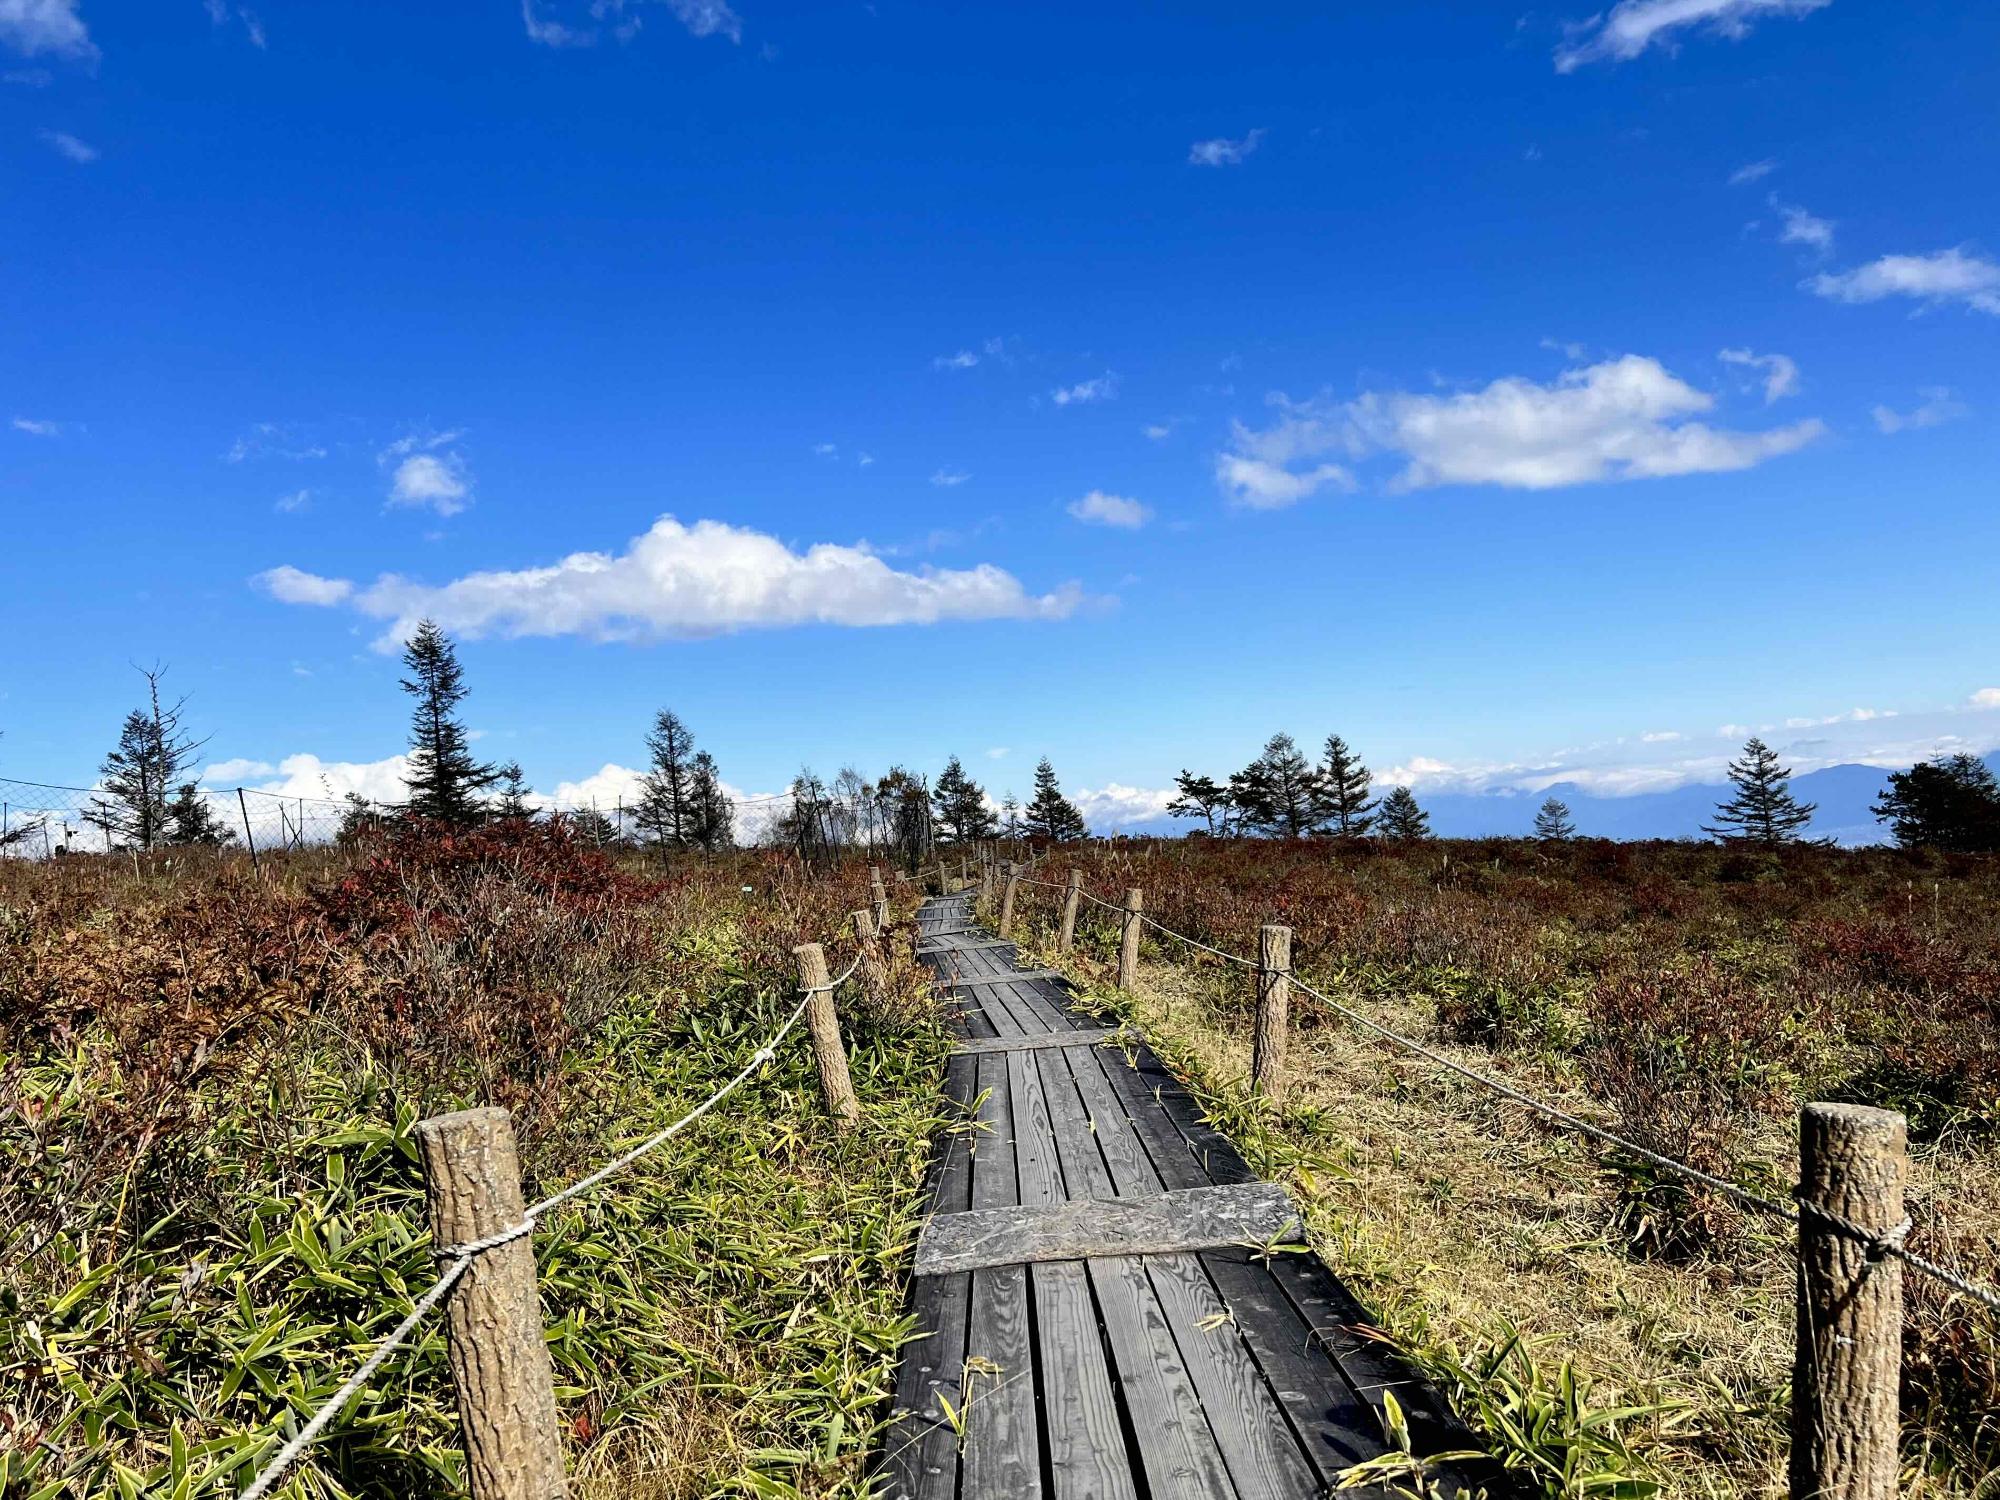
(1950, 804)
(152, 759)
(1553, 823)
(1050, 814)
(1278, 792)
(513, 802)
(1343, 782)
(1203, 797)
(444, 782)
(666, 800)
(711, 808)
(1763, 812)
(962, 813)
(1401, 819)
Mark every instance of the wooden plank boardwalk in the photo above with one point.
(1207, 1370)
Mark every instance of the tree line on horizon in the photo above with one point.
(149, 793)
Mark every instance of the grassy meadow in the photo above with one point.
(1607, 1329)
(210, 1206)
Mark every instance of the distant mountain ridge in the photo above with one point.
(1844, 795)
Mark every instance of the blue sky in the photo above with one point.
(1119, 384)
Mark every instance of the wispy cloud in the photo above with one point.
(1624, 418)
(678, 582)
(272, 440)
(1939, 407)
(1100, 509)
(221, 11)
(427, 472)
(949, 478)
(1631, 26)
(1103, 388)
(1222, 151)
(66, 145)
(1954, 275)
(294, 503)
(38, 427)
(35, 28)
(579, 25)
(1797, 227)
(1755, 171)
(965, 359)
(1781, 373)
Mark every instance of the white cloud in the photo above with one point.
(271, 440)
(826, 450)
(290, 585)
(1801, 228)
(1222, 151)
(38, 427)
(949, 478)
(1939, 406)
(1851, 716)
(1624, 418)
(1661, 736)
(1103, 388)
(965, 359)
(1113, 807)
(66, 145)
(1159, 432)
(1986, 698)
(34, 27)
(428, 472)
(293, 503)
(1101, 509)
(678, 582)
(998, 752)
(1781, 373)
(1631, 26)
(219, 12)
(383, 780)
(622, 19)
(1946, 276)
(1751, 172)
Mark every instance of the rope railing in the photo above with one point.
(460, 1257)
(1876, 1243)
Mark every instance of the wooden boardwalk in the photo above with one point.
(1057, 1363)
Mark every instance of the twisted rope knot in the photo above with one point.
(1878, 1244)
(490, 1242)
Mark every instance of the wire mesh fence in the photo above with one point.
(45, 820)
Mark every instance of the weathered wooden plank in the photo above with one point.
(920, 1447)
(1166, 1147)
(1335, 1427)
(1176, 1449)
(1084, 1438)
(924, 951)
(951, 1172)
(1095, 1037)
(1116, 1138)
(1054, 1015)
(1257, 1442)
(1221, 1160)
(994, 1181)
(1256, 1213)
(1015, 977)
(1003, 1453)
(1084, 1173)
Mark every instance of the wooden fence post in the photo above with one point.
(1066, 939)
(880, 893)
(1128, 940)
(1274, 996)
(1007, 897)
(493, 1329)
(824, 1024)
(964, 874)
(1853, 1160)
(942, 888)
(986, 878)
(874, 972)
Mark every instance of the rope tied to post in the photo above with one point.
(461, 1257)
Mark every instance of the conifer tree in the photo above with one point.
(444, 781)
(513, 801)
(1553, 823)
(1203, 797)
(1344, 800)
(962, 812)
(1763, 812)
(591, 827)
(666, 800)
(1279, 792)
(1951, 803)
(1050, 814)
(1402, 819)
(712, 810)
(152, 758)
(192, 819)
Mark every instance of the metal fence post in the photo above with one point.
(1853, 1161)
(494, 1328)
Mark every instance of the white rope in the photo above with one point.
(1192, 943)
(462, 1256)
